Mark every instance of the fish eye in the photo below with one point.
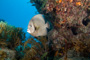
(30, 25)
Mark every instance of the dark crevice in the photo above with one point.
(54, 10)
(88, 10)
(86, 21)
(74, 30)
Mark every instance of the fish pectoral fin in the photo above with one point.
(36, 28)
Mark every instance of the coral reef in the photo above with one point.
(70, 36)
(69, 39)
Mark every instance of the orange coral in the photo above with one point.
(71, 0)
(56, 53)
(59, 1)
(78, 3)
(62, 22)
(58, 25)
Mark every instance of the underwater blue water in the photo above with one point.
(17, 12)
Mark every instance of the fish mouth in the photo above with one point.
(28, 31)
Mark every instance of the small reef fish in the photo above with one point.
(37, 26)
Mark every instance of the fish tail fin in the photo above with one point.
(47, 25)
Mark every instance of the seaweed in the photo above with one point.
(10, 38)
(39, 4)
(38, 50)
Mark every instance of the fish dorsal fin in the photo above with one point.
(39, 17)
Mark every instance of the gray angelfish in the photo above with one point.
(37, 26)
